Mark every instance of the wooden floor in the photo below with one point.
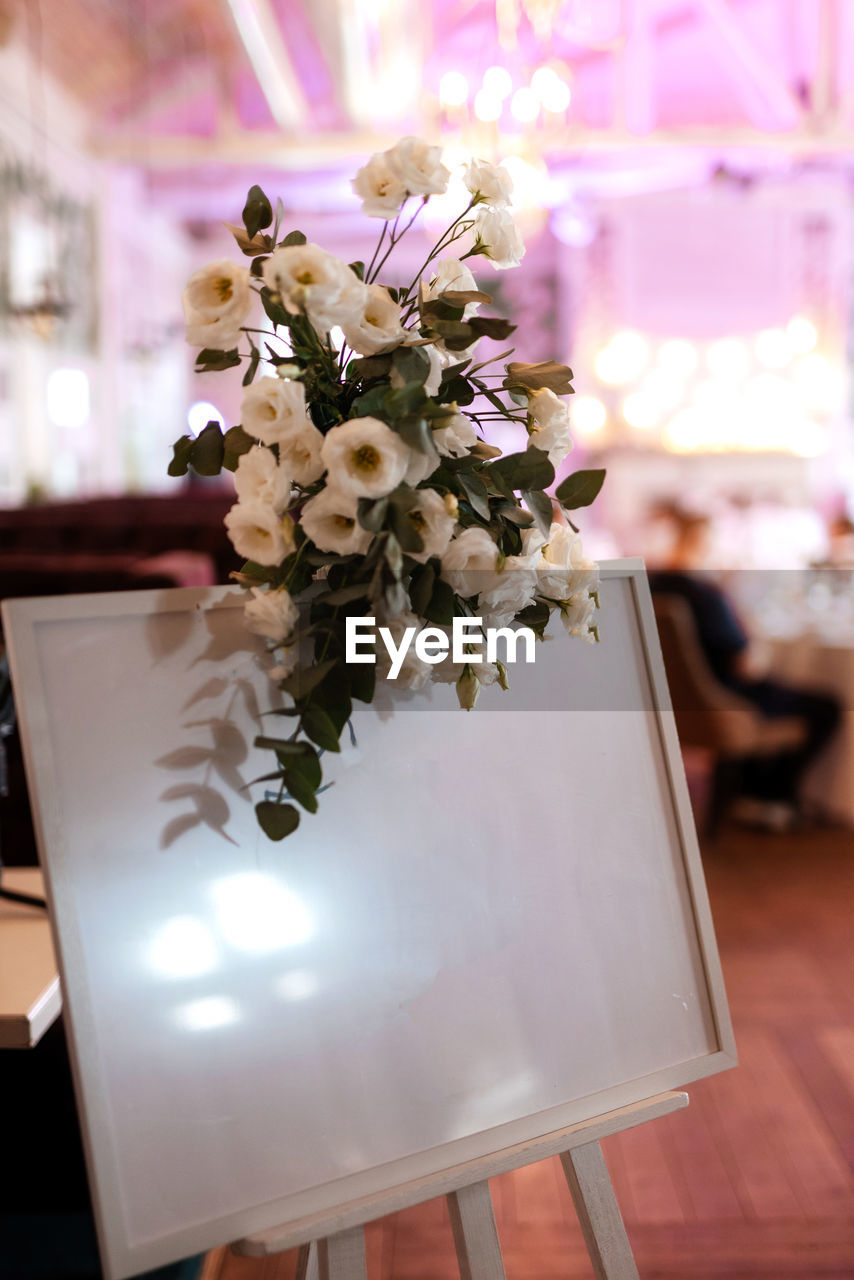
(756, 1177)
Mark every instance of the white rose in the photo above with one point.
(272, 408)
(331, 522)
(456, 437)
(272, 614)
(414, 673)
(452, 277)
(311, 280)
(382, 192)
(429, 517)
(364, 457)
(421, 466)
(216, 302)
(258, 534)
(418, 167)
(500, 235)
(514, 591)
(299, 451)
(468, 565)
(378, 328)
(551, 425)
(564, 569)
(491, 181)
(576, 615)
(259, 478)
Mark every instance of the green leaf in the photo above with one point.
(515, 514)
(358, 269)
(235, 442)
(276, 820)
(363, 679)
(371, 514)
(475, 491)
(407, 534)
(346, 595)
(371, 404)
(368, 367)
(533, 377)
(421, 588)
(412, 363)
(528, 470)
(283, 747)
(458, 389)
(293, 237)
(275, 311)
(212, 361)
(404, 400)
(252, 367)
(208, 451)
(441, 607)
(257, 212)
(320, 728)
(536, 616)
(417, 433)
(455, 334)
(540, 506)
(491, 327)
(301, 790)
(307, 765)
(181, 451)
(305, 679)
(580, 489)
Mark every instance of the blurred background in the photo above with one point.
(682, 179)
(683, 174)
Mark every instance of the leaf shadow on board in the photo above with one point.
(168, 628)
(227, 633)
(209, 809)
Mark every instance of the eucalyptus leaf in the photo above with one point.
(252, 366)
(276, 820)
(257, 212)
(540, 506)
(181, 451)
(580, 489)
(475, 491)
(320, 728)
(235, 442)
(528, 470)
(208, 451)
(533, 377)
(212, 361)
(292, 238)
(301, 790)
(304, 679)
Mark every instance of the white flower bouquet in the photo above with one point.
(364, 483)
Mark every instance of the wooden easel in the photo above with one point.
(338, 1248)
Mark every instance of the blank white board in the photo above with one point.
(495, 926)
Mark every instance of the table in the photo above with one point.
(30, 998)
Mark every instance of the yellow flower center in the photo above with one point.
(417, 521)
(224, 288)
(343, 522)
(366, 458)
(305, 277)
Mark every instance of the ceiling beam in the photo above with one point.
(327, 150)
(751, 70)
(633, 69)
(262, 39)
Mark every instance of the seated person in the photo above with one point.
(773, 781)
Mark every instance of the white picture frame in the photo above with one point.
(495, 927)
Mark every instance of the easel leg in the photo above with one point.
(475, 1236)
(599, 1213)
(342, 1256)
(307, 1264)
